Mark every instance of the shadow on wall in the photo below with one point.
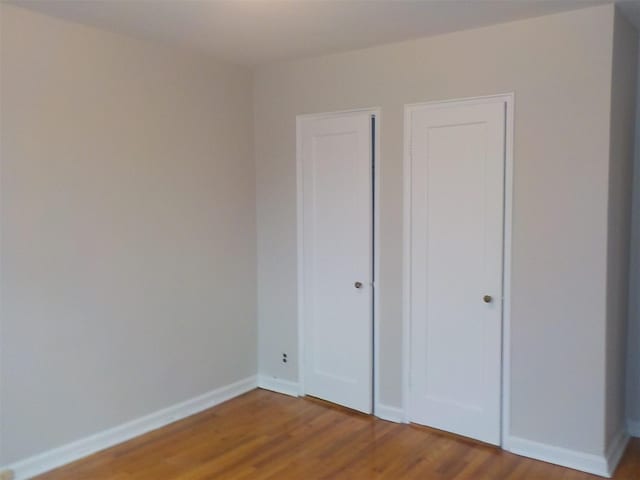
(633, 371)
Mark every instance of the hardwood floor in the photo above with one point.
(264, 435)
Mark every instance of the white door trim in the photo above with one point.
(508, 100)
(376, 112)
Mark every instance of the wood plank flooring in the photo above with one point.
(263, 435)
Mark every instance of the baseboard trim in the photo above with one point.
(634, 427)
(616, 451)
(585, 462)
(279, 385)
(391, 414)
(57, 457)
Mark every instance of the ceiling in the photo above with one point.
(253, 32)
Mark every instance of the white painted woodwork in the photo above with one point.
(336, 162)
(457, 161)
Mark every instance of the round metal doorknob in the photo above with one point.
(358, 284)
(487, 299)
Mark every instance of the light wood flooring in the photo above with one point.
(264, 435)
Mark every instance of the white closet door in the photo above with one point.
(336, 158)
(457, 158)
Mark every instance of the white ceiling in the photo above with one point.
(253, 32)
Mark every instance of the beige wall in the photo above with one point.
(560, 70)
(128, 230)
(623, 101)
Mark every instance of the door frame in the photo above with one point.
(376, 169)
(508, 99)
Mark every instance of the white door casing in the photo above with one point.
(337, 240)
(456, 156)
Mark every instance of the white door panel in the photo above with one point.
(457, 195)
(337, 253)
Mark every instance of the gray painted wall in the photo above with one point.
(633, 363)
(623, 101)
(128, 230)
(560, 70)
(128, 234)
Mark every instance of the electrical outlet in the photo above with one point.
(6, 475)
(284, 360)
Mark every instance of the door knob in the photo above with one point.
(358, 284)
(487, 299)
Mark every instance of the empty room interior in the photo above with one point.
(319, 239)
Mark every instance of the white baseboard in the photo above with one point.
(586, 462)
(616, 450)
(57, 457)
(634, 427)
(279, 385)
(391, 414)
